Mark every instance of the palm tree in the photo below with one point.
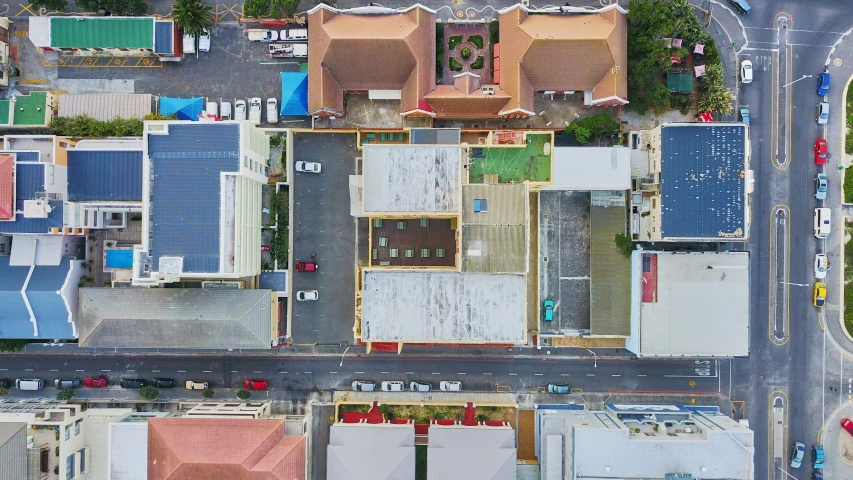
(192, 16)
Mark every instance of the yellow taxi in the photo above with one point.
(819, 294)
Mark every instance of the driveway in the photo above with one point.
(322, 225)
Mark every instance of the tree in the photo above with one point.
(286, 8)
(208, 393)
(65, 394)
(116, 7)
(256, 8)
(624, 244)
(244, 394)
(715, 96)
(192, 16)
(149, 393)
(12, 345)
(50, 5)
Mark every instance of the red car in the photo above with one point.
(256, 384)
(847, 425)
(306, 267)
(265, 248)
(820, 151)
(95, 382)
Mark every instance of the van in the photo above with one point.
(67, 382)
(294, 34)
(212, 109)
(360, 386)
(742, 6)
(821, 222)
(420, 387)
(29, 384)
(450, 386)
(225, 111)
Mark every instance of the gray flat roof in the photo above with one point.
(703, 181)
(610, 278)
(591, 168)
(495, 240)
(422, 179)
(697, 303)
(105, 107)
(471, 453)
(369, 452)
(443, 307)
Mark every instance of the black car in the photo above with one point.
(5, 383)
(163, 382)
(134, 383)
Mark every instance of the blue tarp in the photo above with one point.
(294, 93)
(184, 108)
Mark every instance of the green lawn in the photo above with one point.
(513, 164)
(420, 462)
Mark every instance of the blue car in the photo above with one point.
(548, 310)
(822, 84)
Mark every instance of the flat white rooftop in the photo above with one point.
(591, 168)
(443, 307)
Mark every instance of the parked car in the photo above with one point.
(67, 382)
(822, 226)
(307, 295)
(819, 294)
(133, 383)
(797, 454)
(360, 386)
(306, 267)
(5, 383)
(744, 115)
(817, 456)
(308, 167)
(558, 388)
(822, 113)
(240, 110)
(193, 385)
(846, 424)
(746, 71)
(256, 384)
(294, 34)
(212, 109)
(420, 387)
(392, 386)
(163, 382)
(742, 6)
(96, 382)
(225, 111)
(189, 43)
(823, 84)
(272, 110)
(204, 41)
(255, 110)
(820, 151)
(821, 265)
(450, 386)
(821, 185)
(548, 310)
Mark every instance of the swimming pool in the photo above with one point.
(120, 259)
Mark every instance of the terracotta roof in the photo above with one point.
(562, 52)
(351, 51)
(465, 99)
(7, 187)
(232, 448)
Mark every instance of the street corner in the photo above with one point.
(837, 440)
(719, 18)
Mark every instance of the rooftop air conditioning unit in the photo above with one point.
(36, 209)
(488, 91)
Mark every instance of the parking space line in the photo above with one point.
(513, 374)
(54, 369)
(205, 371)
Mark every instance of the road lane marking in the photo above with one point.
(384, 373)
(407, 373)
(205, 371)
(131, 370)
(333, 372)
(282, 372)
(487, 374)
(234, 371)
(566, 374)
(106, 370)
(461, 373)
(308, 373)
(615, 375)
(6, 369)
(513, 374)
(153, 371)
(258, 371)
(54, 369)
(81, 370)
(436, 373)
(641, 375)
(359, 372)
(538, 374)
(28, 369)
(182, 371)
(590, 374)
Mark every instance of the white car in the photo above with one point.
(822, 113)
(307, 295)
(225, 111)
(189, 43)
(420, 387)
(204, 41)
(272, 110)
(240, 110)
(746, 71)
(821, 265)
(450, 386)
(360, 386)
(308, 167)
(212, 109)
(393, 386)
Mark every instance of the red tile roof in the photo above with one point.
(7, 187)
(232, 448)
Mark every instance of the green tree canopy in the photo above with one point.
(149, 393)
(65, 394)
(116, 7)
(192, 16)
(286, 8)
(256, 8)
(50, 5)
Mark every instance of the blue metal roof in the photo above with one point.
(103, 175)
(703, 185)
(163, 42)
(29, 179)
(47, 305)
(28, 156)
(185, 192)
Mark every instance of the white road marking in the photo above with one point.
(54, 369)
(538, 374)
(234, 371)
(205, 371)
(6, 369)
(590, 374)
(359, 372)
(28, 369)
(308, 373)
(436, 373)
(615, 375)
(566, 374)
(131, 370)
(461, 373)
(81, 370)
(641, 375)
(410, 373)
(487, 374)
(182, 371)
(106, 370)
(258, 371)
(384, 373)
(513, 374)
(155, 371)
(333, 372)
(282, 372)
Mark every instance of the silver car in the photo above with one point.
(822, 113)
(360, 386)
(821, 184)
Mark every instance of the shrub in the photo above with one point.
(453, 41)
(12, 345)
(208, 393)
(848, 186)
(465, 53)
(596, 125)
(275, 140)
(848, 142)
(84, 126)
(476, 40)
(65, 394)
(149, 393)
(286, 8)
(455, 66)
(57, 451)
(439, 49)
(624, 243)
(256, 8)
(56, 470)
(244, 394)
(4, 392)
(157, 116)
(848, 308)
(494, 32)
(478, 63)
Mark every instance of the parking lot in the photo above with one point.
(322, 225)
(564, 259)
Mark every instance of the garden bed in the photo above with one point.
(848, 277)
(280, 212)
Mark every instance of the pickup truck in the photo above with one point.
(192, 385)
(189, 43)
(294, 34)
(255, 106)
(285, 50)
(256, 35)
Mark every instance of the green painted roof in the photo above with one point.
(30, 109)
(4, 112)
(102, 32)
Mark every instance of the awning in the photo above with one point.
(184, 108)
(294, 93)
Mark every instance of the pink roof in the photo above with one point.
(7, 187)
